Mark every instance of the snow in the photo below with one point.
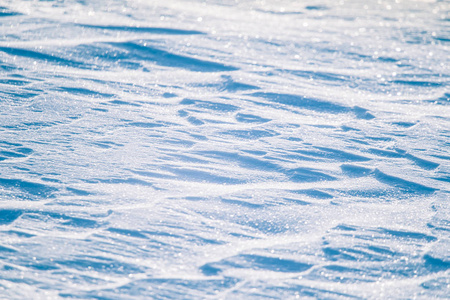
(224, 149)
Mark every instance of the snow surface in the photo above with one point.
(224, 149)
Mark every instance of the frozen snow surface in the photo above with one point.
(224, 149)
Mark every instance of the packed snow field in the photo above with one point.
(224, 149)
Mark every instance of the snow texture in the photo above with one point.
(224, 149)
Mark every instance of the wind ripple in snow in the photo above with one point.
(227, 150)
